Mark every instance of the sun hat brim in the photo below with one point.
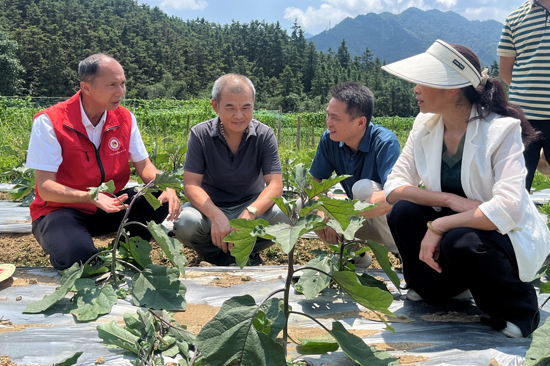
(6, 272)
(441, 67)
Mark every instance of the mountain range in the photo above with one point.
(392, 37)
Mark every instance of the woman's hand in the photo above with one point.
(461, 204)
(429, 250)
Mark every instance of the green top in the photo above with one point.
(451, 169)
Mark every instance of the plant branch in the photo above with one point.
(130, 265)
(134, 223)
(288, 284)
(269, 297)
(123, 221)
(314, 269)
(196, 355)
(312, 318)
(96, 255)
(166, 323)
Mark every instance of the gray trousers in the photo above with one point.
(192, 228)
(376, 229)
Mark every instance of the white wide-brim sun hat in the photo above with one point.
(440, 67)
(6, 271)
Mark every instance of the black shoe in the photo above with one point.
(255, 259)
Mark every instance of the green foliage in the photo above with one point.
(151, 336)
(67, 282)
(372, 298)
(10, 67)
(25, 183)
(312, 282)
(228, 338)
(231, 338)
(158, 287)
(90, 301)
(358, 351)
(108, 187)
(540, 182)
(155, 286)
(538, 353)
(317, 346)
(70, 361)
(167, 57)
(172, 248)
(245, 236)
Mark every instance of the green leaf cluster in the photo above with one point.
(156, 287)
(151, 336)
(538, 353)
(242, 334)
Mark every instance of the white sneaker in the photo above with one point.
(463, 296)
(512, 331)
(413, 295)
(362, 261)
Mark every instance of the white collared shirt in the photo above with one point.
(44, 151)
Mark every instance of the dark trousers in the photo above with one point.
(481, 261)
(66, 234)
(532, 152)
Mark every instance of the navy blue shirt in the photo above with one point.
(231, 179)
(378, 151)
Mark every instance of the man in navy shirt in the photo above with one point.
(353, 145)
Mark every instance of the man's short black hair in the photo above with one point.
(358, 98)
(89, 68)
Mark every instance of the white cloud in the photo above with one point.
(184, 4)
(330, 12)
(447, 3)
(483, 13)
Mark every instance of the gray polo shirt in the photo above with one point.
(231, 179)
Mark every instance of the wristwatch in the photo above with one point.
(253, 211)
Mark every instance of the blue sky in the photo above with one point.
(314, 16)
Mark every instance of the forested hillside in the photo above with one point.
(395, 36)
(167, 57)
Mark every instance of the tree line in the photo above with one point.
(42, 41)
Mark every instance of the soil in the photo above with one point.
(451, 316)
(22, 250)
(368, 315)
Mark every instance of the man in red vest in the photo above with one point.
(81, 143)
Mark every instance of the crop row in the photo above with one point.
(165, 125)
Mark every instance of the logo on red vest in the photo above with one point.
(114, 144)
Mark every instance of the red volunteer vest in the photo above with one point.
(83, 165)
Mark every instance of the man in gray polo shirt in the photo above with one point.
(232, 169)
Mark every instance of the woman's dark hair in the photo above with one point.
(491, 97)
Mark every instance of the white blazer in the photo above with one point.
(493, 172)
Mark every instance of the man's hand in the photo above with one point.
(429, 250)
(247, 215)
(219, 229)
(110, 204)
(328, 234)
(174, 204)
(461, 204)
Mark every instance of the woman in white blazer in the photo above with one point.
(461, 217)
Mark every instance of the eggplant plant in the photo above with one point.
(245, 333)
(151, 336)
(151, 286)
